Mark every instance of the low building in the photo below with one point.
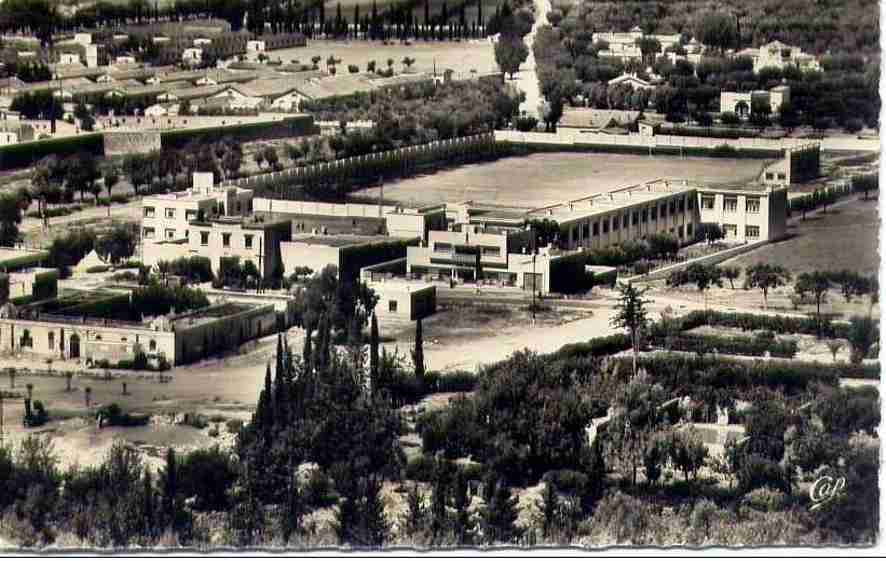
(255, 46)
(177, 338)
(403, 300)
(629, 214)
(69, 58)
(631, 80)
(780, 55)
(192, 56)
(742, 103)
(746, 213)
(348, 253)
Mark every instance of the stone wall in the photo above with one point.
(131, 142)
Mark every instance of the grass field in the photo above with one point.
(543, 179)
(844, 238)
(461, 56)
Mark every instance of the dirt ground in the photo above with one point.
(461, 56)
(544, 179)
(846, 237)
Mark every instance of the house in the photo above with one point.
(632, 80)
(742, 103)
(255, 46)
(405, 301)
(780, 55)
(69, 58)
(597, 119)
(192, 56)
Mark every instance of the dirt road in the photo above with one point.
(526, 78)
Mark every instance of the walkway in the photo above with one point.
(526, 79)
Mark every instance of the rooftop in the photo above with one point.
(210, 314)
(337, 241)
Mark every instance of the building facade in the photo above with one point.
(749, 213)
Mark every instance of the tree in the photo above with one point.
(499, 517)
(760, 112)
(710, 232)
(549, 505)
(788, 118)
(10, 218)
(716, 30)
(817, 283)
(834, 346)
(119, 244)
(731, 274)
(631, 315)
(863, 333)
(373, 354)
(510, 53)
(702, 276)
(407, 63)
(766, 277)
(110, 177)
(418, 355)
(415, 519)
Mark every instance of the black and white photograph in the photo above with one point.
(425, 276)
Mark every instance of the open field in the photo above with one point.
(461, 56)
(544, 179)
(844, 238)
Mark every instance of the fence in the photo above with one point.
(370, 168)
(574, 137)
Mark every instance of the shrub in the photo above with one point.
(526, 124)
(318, 492)
(113, 416)
(765, 499)
(208, 474)
(421, 468)
(566, 480)
(234, 426)
(747, 346)
(195, 420)
(98, 269)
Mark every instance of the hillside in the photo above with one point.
(815, 25)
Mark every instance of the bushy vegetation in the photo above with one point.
(747, 346)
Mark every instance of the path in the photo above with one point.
(526, 79)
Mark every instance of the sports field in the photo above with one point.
(461, 56)
(543, 179)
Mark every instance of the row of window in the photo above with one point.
(170, 213)
(149, 233)
(730, 204)
(750, 232)
(485, 250)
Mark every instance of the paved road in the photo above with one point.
(526, 79)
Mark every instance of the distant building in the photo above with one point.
(192, 56)
(255, 46)
(632, 80)
(742, 103)
(780, 55)
(69, 58)
(407, 301)
(746, 213)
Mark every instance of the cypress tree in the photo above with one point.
(148, 506)
(356, 19)
(480, 14)
(266, 399)
(418, 354)
(373, 353)
(500, 516)
(170, 488)
(307, 352)
(461, 501)
(294, 511)
(281, 387)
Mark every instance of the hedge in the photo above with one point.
(24, 261)
(746, 346)
(25, 154)
(753, 322)
(286, 128)
(597, 347)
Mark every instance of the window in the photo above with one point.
(752, 205)
(238, 207)
(149, 212)
(653, 213)
(606, 226)
(770, 175)
(691, 202)
(190, 215)
(491, 251)
(152, 346)
(615, 223)
(392, 305)
(680, 231)
(782, 176)
(664, 210)
(730, 204)
(170, 234)
(672, 207)
(681, 205)
(752, 232)
(644, 215)
(170, 213)
(204, 238)
(731, 230)
(51, 340)
(247, 241)
(586, 230)
(707, 203)
(636, 217)
(148, 233)
(226, 239)
(689, 230)
(443, 247)
(596, 228)
(625, 221)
